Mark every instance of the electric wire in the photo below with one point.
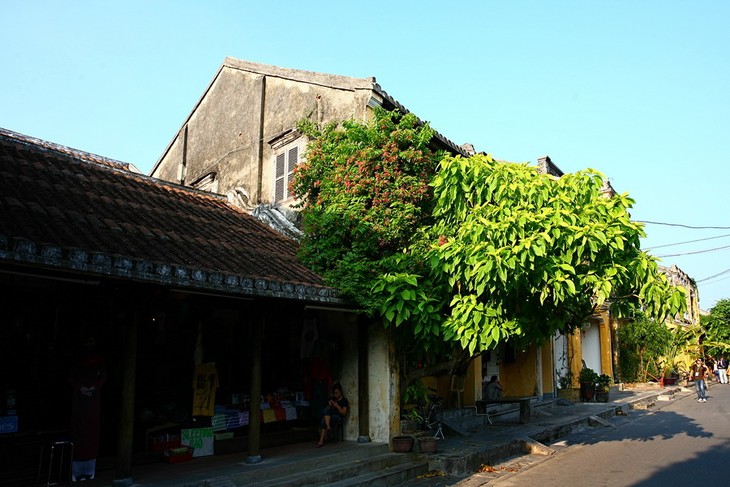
(682, 225)
(693, 252)
(714, 276)
(687, 242)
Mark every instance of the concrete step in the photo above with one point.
(384, 469)
(391, 476)
(324, 459)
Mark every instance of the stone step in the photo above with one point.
(388, 467)
(325, 459)
(392, 476)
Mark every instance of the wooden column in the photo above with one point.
(254, 422)
(123, 470)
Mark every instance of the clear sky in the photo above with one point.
(639, 90)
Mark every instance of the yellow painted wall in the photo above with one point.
(473, 382)
(520, 377)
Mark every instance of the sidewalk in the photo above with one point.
(458, 455)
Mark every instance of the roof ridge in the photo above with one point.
(327, 79)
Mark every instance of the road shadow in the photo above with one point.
(664, 425)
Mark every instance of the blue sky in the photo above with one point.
(637, 90)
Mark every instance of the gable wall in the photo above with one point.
(225, 128)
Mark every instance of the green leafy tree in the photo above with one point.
(514, 254)
(466, 251)
(716, 326)
(365, 192)
(643, 342)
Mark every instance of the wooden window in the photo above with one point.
(286, 161)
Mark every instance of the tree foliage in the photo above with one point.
(469, 251)
(521, 255)
(717, 329)
(642, 344)
(365, 192)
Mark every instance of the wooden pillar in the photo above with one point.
(123, 470)
(362, 382)
(254, 422)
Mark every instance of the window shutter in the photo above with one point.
(279, 189)
(293, 161)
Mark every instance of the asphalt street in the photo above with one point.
(680, 442)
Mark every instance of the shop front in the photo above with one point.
(180, 336)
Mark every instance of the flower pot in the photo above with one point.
(428, 444)
(402, 444)
(587, 390)
(570, 394)
(601, 395)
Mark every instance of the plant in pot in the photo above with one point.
(412, 420)
(414, 397)
(587, 379)
(565, 385)
(428, 444)
(403, 443)
(603, 385)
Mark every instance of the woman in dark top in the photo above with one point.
(333, 413)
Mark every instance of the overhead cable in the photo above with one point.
(683, 226)
(686, 242)
(692, 253)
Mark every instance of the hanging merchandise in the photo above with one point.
(205, 384)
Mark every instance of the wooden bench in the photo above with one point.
(525, 402)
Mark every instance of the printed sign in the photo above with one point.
(201, 439)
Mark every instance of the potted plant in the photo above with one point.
(587, 379)
(412, 420)
(603, 385)
(414, 396)
(428, 444)
(403, 444)
(565, 386)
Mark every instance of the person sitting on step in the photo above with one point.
(493, 390)
(335, 411)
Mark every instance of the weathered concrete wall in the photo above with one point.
(384, 391)
(289, 101)
(229, 131)
(349, 372)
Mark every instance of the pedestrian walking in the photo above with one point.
(699, 373)
(722, 369)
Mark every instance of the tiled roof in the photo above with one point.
(69, 210)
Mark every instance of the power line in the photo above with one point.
(683, 226)
(692, 253)
(714, 276)
(686, 242)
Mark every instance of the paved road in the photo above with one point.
(681, 442)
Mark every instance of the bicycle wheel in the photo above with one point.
(436, 415)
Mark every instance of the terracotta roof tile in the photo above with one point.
(68, 209)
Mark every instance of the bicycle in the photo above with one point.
(434, 418)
